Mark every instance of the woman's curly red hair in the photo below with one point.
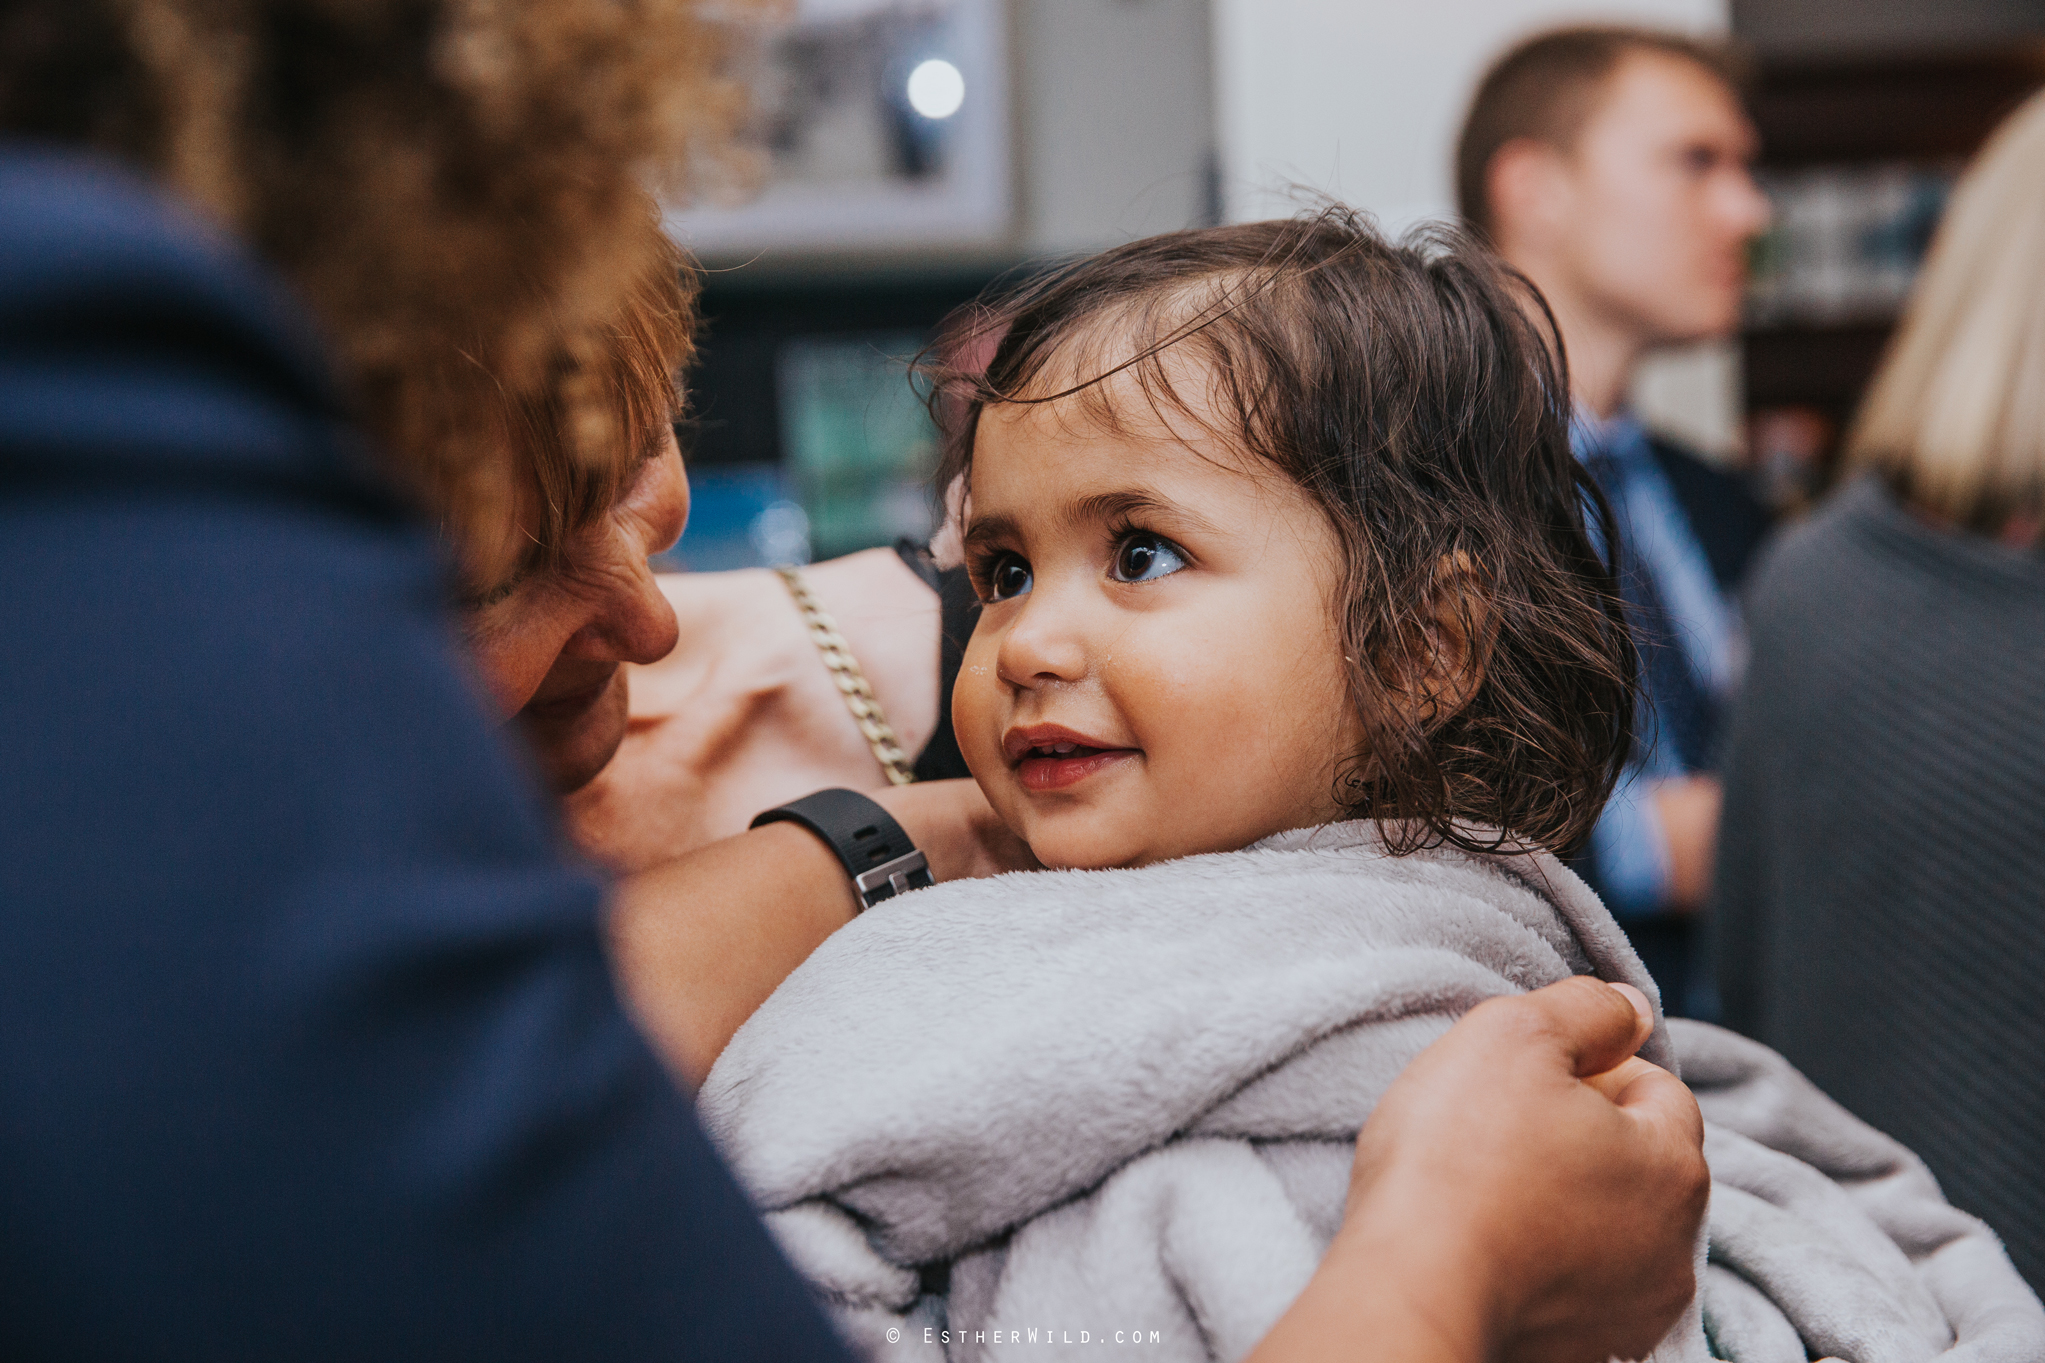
(457, 187)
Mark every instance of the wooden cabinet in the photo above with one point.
(1856, 153)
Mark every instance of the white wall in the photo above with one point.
(1362, 100)
(1111, 137)
(1114, 120)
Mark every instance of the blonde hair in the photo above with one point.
(1956, 416)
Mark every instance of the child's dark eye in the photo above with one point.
(1145, 558)
(1010, 576)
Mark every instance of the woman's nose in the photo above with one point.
(641, 623)
(630, 620)
(637, 622)
(634, 622)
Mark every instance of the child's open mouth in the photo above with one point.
(1054, 761)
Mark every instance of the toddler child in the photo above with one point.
(1295, 664)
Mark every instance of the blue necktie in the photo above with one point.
(1680, 716)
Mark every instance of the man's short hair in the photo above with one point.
(1547, 87)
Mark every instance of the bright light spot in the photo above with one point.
(936, 89)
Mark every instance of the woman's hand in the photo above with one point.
(699, 943)
(1524, 1191)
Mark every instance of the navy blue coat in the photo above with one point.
(308, 1049)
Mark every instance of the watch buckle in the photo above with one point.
(891, 878)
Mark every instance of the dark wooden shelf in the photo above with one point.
(1932, 107)
(1865, 111)
(1827, 367)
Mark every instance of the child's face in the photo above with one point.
(1157, 671)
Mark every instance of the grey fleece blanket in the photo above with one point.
(1048, 1112)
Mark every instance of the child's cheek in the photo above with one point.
(978, 714)
(1184, 686)
(1218, 704)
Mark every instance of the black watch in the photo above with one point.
(875, 851)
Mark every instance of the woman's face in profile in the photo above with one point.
(550, 641)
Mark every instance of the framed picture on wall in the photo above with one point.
(880, 123)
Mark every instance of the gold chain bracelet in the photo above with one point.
(852, 683)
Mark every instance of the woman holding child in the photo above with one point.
(313, 1050)
(1294, 657)
(1170, 460)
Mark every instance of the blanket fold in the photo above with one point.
(1020, 1115)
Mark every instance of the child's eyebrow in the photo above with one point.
(988, 528)
(1131, 503)
(1122, 504)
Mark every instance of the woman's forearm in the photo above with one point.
(699, 943)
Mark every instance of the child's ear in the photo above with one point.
(1453, 642)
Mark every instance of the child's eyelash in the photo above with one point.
(980, 561)
(1122, 529)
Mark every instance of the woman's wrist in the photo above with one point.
(956, 829)
(1389, 1297)
(700, 942)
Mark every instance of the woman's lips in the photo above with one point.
(1058, 771)
(572, 701)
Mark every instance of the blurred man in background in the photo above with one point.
(1610, 166)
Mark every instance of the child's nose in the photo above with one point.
(1042, 645)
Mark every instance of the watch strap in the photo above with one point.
(875, 850)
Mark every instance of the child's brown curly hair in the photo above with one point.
(457, 187)
(1418, 393)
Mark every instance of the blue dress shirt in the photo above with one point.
(1689, 635)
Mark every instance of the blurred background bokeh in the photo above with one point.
(916, 151)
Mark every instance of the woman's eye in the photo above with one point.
(490, 596)
(1145, 558)
(1009, 577)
